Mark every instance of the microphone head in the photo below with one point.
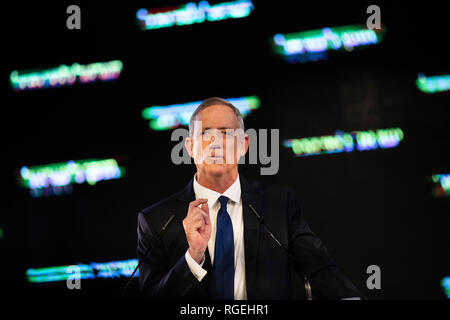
(254, 211)
(168, 222)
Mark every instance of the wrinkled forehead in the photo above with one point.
(218, 117)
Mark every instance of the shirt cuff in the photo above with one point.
(196, 268)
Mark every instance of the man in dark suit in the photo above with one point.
(216, 248)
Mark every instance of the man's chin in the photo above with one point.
(218, 168)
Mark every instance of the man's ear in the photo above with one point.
(189, 144)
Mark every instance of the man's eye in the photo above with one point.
(206, 134)
(225, 133)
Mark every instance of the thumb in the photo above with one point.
(205, 208)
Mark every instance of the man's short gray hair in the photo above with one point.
(212, 102)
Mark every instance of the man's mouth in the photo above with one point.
(215, 159)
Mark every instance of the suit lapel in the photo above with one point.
(211, 282)
(251, 233)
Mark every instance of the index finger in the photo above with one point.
(197, 202)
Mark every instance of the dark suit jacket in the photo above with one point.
(165, 273)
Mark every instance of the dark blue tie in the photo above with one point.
(224, 253)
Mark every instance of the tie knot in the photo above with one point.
(223, 202)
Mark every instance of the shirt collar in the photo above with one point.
(233, 192)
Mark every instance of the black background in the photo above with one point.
(372, 207)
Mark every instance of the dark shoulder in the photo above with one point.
(270, 198)
(161, 209)
(267, 189)
(160, 204)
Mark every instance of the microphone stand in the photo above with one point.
(160, 233)
(291, 258)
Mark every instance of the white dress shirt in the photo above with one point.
(234, 208)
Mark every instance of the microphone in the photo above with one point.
(160, 233)
(291, 258)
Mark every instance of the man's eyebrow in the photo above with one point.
(221, 128)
